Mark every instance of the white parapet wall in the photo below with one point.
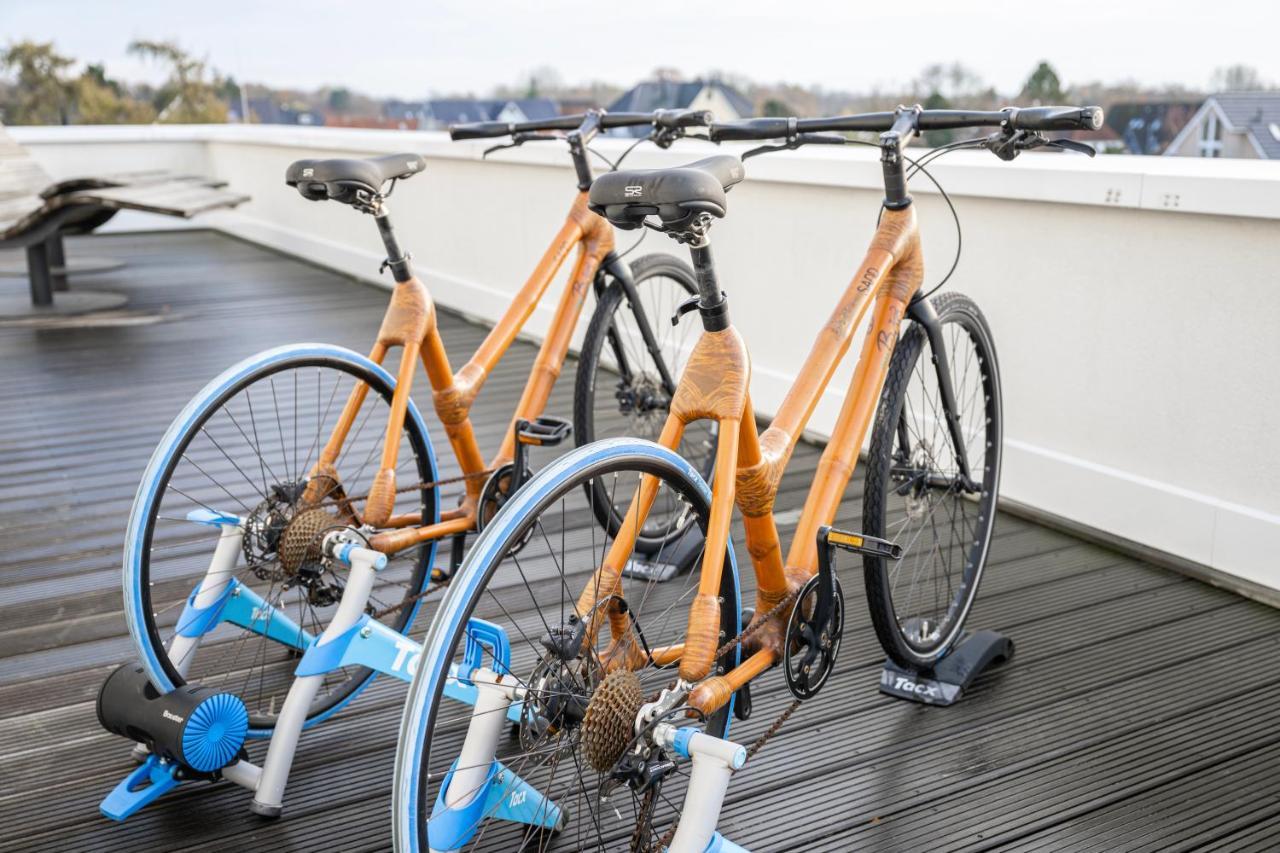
(1135, 300)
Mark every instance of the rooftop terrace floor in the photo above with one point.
(1141, 711)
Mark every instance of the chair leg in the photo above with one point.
(41, 278)
(57, 262)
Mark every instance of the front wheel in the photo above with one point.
(571, 723)
(915, 493)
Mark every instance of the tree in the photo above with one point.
(340, 100)
(938, 101)
(101, 100)
(543, 82)
(43, 93)
(1043, 86)
(188, 97)
(776, 107)
(1237, 78)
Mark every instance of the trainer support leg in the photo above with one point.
(269, 799)
(714, 762)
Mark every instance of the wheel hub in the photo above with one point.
(917, 498)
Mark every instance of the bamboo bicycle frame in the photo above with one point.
(749, 466)
(410, 323)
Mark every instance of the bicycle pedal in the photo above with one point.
(544, 431)
(858, 543)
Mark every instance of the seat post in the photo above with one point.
(713, 306)
(397, 260)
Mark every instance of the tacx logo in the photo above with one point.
(633, 191)
(173, 718)
(408, 653)
(908, 686)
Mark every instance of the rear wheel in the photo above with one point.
(245, 446)
(915, 494)
(525, 573)
(624, 389)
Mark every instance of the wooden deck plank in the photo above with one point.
(1125, 722)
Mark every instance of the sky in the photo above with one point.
(415, 48)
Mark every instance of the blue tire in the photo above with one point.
(416, 770)
(152, 585)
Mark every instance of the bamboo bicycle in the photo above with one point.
(300, 444)
(600, 671)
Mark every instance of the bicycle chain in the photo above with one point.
(433, 484)
(759, 743)
(447, 481)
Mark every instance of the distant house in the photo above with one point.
(1146, 127)
(1232, 124)
(269, 111)
(439, 113)
(725, 102)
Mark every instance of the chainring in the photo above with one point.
(493, 497)
(811, 648)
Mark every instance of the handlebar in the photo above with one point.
(1013, 118)
(663, 119)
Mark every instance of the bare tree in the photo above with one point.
(1237, 78)
(188, 97)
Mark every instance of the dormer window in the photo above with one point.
(1211, 136)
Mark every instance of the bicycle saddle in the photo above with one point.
(674, 195)
(341, 179)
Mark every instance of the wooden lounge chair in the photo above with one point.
(36, 212)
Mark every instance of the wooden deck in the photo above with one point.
(1140, 712)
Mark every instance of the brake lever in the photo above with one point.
(663, 137)
(518, 139)
(1008, 144)
(794, 142)
(1072, 145)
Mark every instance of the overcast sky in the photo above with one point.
(413, 48)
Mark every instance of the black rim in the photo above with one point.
(945, 531)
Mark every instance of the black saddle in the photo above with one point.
(675, 195)
(344, 180)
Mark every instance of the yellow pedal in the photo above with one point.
(860, 544)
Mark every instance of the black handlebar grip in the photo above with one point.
(671, 119)
(1056, 118)
(753, 128)
(479, 130)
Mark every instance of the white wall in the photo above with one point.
(1134, 300)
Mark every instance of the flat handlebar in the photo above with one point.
(1029, 118)
(664, 119)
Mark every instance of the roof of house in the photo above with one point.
(674, 95)
(460, 110)
(1256, 113)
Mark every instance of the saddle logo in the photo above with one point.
(909, 686)
(633, 191)
(306, 173)
(173, 718)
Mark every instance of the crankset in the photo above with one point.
(814, 631)
(507, 479)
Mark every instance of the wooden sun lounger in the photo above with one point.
(36, 212)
